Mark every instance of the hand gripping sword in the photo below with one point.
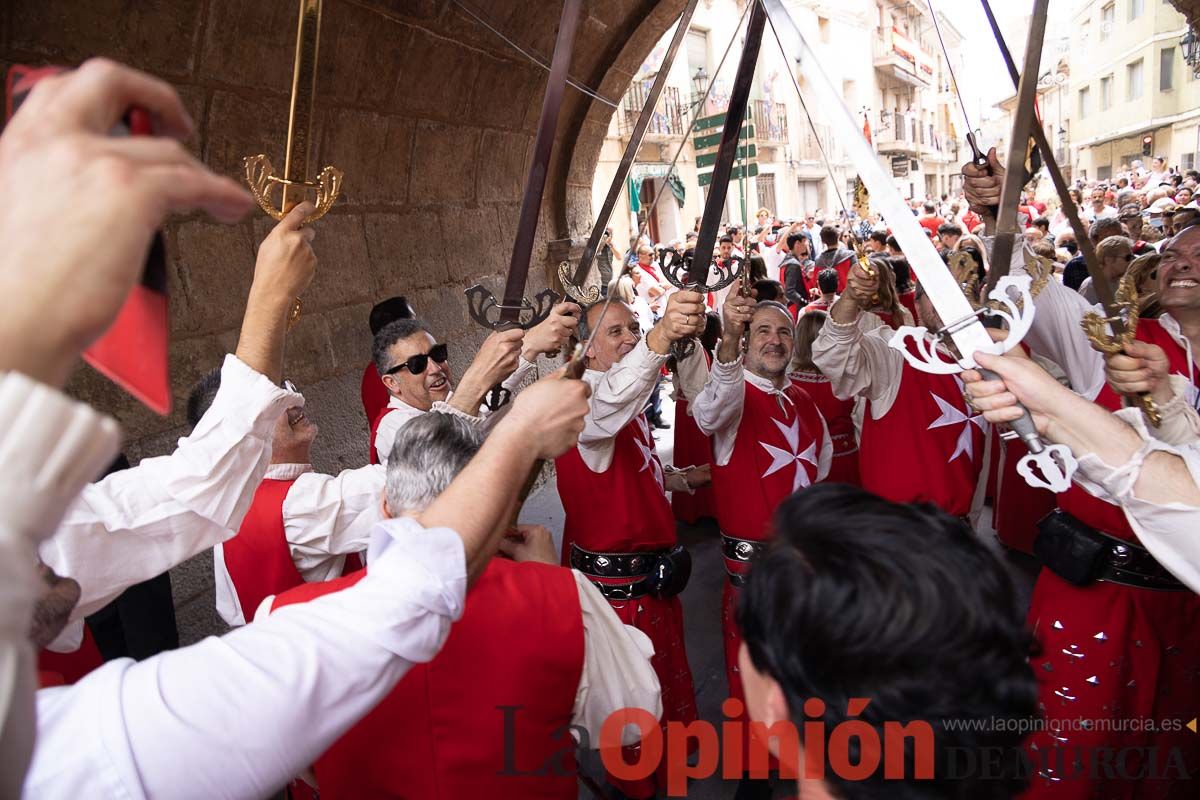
(963, 328)
(693, 275)
(1112, 331)
(295, 184)
(574, 282)
(515, 310)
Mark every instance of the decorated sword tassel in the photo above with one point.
(295, 185)
(963, 329)
(693, 275)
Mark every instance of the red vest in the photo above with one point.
(258, 559)
(1091, 510)
(909, 300)
(839, 417)
(622, 509)
(442, 733)
(775, 453)
(58, 669)
(375, 431)
(375, 395)
(927, 448)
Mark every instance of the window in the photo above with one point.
(697, 52)
(823, 27)
(1085, 102)
(1085, 30)
(765, 187)
(1166, 69)
(1106, 92)
(1133, 80)
(1107, 15)
(1136, 7)
(1104, 173)
(1187, 161)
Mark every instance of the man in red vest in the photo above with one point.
(619, 528)
(414, 367)
(920, 441)
(302, 526)
(558, 661)
(1119, 608)
(768, 439)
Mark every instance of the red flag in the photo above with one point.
(867, 128)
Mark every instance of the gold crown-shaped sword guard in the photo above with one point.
(260, 175)
(583, 295)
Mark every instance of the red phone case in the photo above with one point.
(133, 352)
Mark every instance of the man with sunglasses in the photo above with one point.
(619, 529)
(415, 369)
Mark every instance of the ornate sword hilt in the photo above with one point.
(261, 177)
(1128, 313)
(679, 271)
(1044, 466)
(585, 296)
(481, 303)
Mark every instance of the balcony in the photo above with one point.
(901, 61)
(899, 134)
(770, 122)
(668, 118)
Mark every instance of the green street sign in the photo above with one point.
(714, 139)
(708, 159)
(752, 171)
(715, 121)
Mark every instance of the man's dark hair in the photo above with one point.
(827, 280)
(880, 237)
(389, 310)
(794, 238)
(829, 235)
(769, 290)
(1192, 174)
(202, 395)
(388, 336)
(950, 229)
(1043, 223)
(1101, 229)
(712, 331)
(893, 243)
(724, 239)
(899, 604)
(900, 269)
(929, 208)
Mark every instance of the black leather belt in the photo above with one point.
(745, 551)
(1080, 554)
(662, 573)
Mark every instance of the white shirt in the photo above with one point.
(859, 362)
(620, 394)
(325, 517)
(1168, 531)
(50, 446)
(403, 413)
(240, 715)
(616, 672)
(1091, 215)
(718, 411)
(141, 522)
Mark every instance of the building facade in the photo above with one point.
(1133, 96)
(883, 53)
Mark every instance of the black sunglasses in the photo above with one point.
(417, 364)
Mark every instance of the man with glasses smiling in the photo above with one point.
(415, 369)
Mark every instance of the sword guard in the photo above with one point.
(683, 348)
(1051, 469)
(481, 303)
(584, 296)
(678, 273)
(261, 178)
(1017, 312)
(497, 397)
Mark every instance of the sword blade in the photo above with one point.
(300, 113)
(943, 290)
(535, 182)
(1024, 120)
(631, 149)
(735, 117)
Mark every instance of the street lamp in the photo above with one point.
(1191, 49)
(700, 80)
